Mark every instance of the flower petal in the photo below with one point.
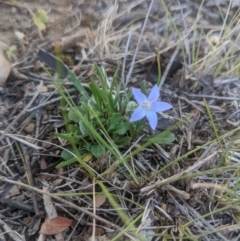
(161, 106)
(152, 119)
(138, 95)
(154, 94)
(138, 114)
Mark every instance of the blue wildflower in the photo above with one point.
(148, 106)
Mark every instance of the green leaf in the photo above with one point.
(78, 85)
(66, 163)
(165, 137)
(101, 76)
(117, 97)
(113, 121)
(144, 87)
(96, 94)
(114, 79)
(72, 114)
(84, 107)
(40, 19)
(83, 129)
(10, 52)
(97, 150)
(93, 114)
(68, 160)
(74, 130)
(106, 93)
(124, 103)
(122, 128)
(66, 154)
(123, 141)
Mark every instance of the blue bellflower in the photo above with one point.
(148, 106)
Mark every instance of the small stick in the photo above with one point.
(30, 177)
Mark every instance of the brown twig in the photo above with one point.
(30, 177)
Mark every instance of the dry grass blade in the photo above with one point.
(196, 166)
(139, 40)
(61, 200)
(14, 235)
(15, 137)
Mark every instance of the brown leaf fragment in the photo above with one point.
(44, 89)
(30, 128)
(43, 164)
(28, 138)
(100, 199)
(98, 231)
(55, 225)
(164, 206)
(59, 180)
(22, 38)
(47, 144)
(87, 185)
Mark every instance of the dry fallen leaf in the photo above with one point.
(59, 180)
(55, 225)
(30, 128)
(28, 138)
(46, 144)
(5, 65)
(43, 164)
(100, 199)
(23, 39)
(43, 89)
(98, 231)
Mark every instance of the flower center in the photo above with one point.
(146, 105)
